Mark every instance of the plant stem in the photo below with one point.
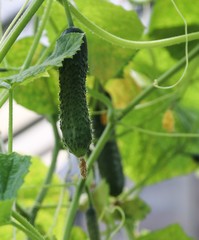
(74, 205)
(158, 134)
(37, 37)
(27, 225)
(160, 80)
(22, 211)
(129, 43)
(129, 231)
(41, 195)
(3, 96)
(18, 28)
(68, 14)
(26, 231)
(10, 125)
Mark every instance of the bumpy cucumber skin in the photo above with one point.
(74, 117)
(92, 224)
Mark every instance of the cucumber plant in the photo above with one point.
(143, 155)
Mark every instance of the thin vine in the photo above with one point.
(186, 53)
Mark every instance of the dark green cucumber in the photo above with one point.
(110, 167)
(92, 224)
(74, 117)
(109, 160)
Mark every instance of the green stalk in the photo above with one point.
(41, 195)
(74, 205)
(129, 43)
(10, 125)
(165, 76)
(22, 211)
(3, 96)
(26, 231)
(18, 28)
(38, 35)
(68, 13)
(129, 231)
(27, 225)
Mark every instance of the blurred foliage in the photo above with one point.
(174, 232)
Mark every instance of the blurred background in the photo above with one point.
(171, 201)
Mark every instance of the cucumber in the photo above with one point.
(109, 160)
(110, 167)
(74, 116)
(92, 224)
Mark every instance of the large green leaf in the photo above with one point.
(150, 157)
(13, 168)
(67, 45)
(174, 232)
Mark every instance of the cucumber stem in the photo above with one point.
(10, 124)
(27, 225)
(68, 13)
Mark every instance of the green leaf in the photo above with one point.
(78, 233)
(106, 60)
(6, 210)
(134, 209)
(152, 62)
(40, 95)
(174, 232)
(67, 45)
(101, 200)
(13, 168)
